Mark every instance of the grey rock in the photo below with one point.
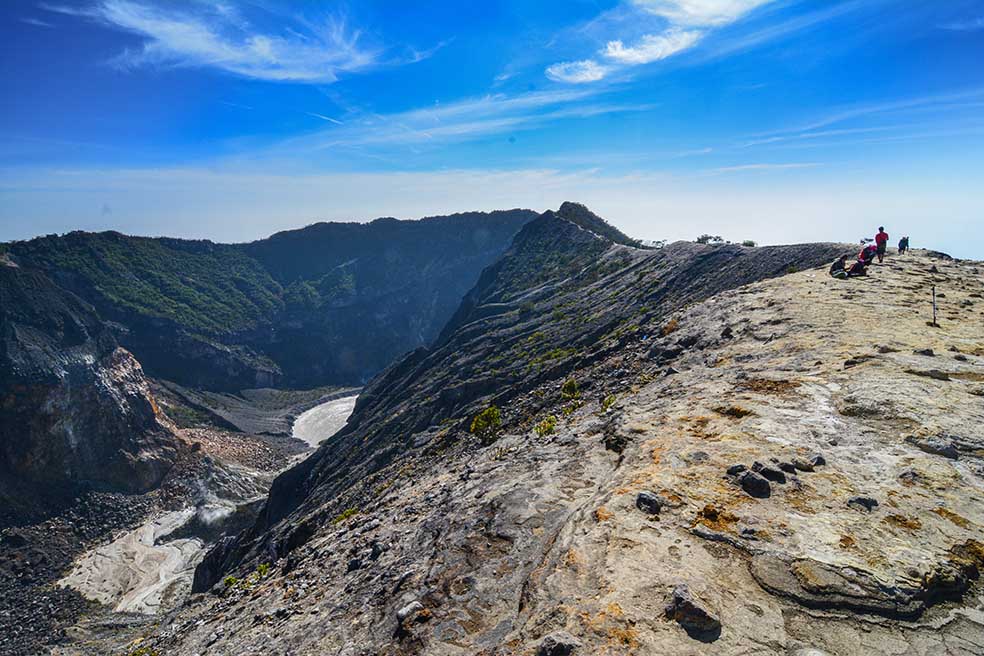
(936, 445)
(863, 503)
(558, 643)
(649, 502)
(410, 609)
(769, 473)
(734, 470)
(687, 611)
(755, 485)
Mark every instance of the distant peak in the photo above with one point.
(580, 215)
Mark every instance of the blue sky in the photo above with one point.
(777, 120)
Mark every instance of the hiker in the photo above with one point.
(839, 268)
(881, 243)
(867, 254)
(903, 245)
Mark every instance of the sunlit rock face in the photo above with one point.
(75, 408)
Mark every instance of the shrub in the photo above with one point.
(486, 424)
(230, 581)
(345, 515)
(547, 426)
(671, 326)
(710, 239)
(263, 569)
(749, 243)
(608, 402)
(569, 389)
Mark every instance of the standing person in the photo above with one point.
(903, 245)
(881, 243)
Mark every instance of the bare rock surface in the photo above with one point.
(465, 548)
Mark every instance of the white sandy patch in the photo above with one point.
(134, 575)
(321, 422)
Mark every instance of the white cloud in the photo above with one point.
(700, 13)
(682, 25)
(652, 47)
(214, 35)
(577, 72)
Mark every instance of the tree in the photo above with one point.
(710, 239)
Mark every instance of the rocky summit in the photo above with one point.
(613, 449)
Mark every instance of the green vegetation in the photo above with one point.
(230, 581)
(608, 402)
(710, 239)
(547, 426)
(569, 390)
(214, 288)
(486, 424)
(749, 243)
(262, 569)
(345, 515)
(143, 651)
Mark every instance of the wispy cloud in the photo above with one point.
(325, 118)
(684, 24)
(36, 22)
(967, 25)
(216, 35)
(743, 168)
(652, 47)
(462, 121)
(577, 72)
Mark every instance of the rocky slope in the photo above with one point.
(702, 451)
(75, 409)
(332, 303)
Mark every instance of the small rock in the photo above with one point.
(649, 502)
(787, 467)
(936, 445)
(803, 465)
(961, 357)
(748, 533)
(410, 609)
(865, 503)
(734, 470)
(354, 564)
(755, 485)
(558, 643)
(770, 473)
(690, 614)
(818, 460)
(927, 352)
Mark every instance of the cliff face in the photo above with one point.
(75, 409)
(332, 303)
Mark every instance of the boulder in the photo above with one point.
(755, 485)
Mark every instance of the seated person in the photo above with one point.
(867, 254)
(838, 268)
(860, 268)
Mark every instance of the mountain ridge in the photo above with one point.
(331, 303)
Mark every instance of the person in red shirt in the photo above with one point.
(881, 242)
